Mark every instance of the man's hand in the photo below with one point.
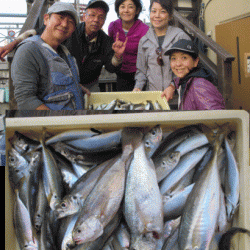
(7, 49)
(119, 46)
(168, 92)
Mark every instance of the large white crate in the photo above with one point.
(238, 120)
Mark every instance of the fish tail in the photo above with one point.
(42, 137)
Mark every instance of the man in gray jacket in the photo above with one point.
(45, 75)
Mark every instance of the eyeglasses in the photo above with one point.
(159, 58)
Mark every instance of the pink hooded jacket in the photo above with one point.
(136, 32)
(200, 94)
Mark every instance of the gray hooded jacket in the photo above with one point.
(149, 73)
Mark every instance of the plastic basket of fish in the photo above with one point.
(143, 181)
(115, 101)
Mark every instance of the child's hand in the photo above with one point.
(168, 92)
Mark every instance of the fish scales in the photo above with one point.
(23, 227)
(186, 163)
(232, 185)
(102, 204)
(144, 225)
(143, 207)
(51, 178)
(73, 201)
(201, 212)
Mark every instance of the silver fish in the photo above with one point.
(23, 144)
(104, 200)
(73, 202)
(173, 205)
(143, 208)
(98, 244)
(157, 106)
(23, 227)
(232, 185)
(164, 164)
(200, 215)
(41, 204)
(111, 105)
(69, 177)
(170, 226)
(102, 204)
(172, 241)
(103, 142)
(65, 233)
(222, 218)
(191, 143)
(175, 138)
(152, 140)
(52, 180)
(79, 169)
(149, 106)
(186, 163)
(71, 135)
(122, 235)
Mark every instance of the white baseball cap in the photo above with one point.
(64, 7)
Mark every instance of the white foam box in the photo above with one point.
(99, 98)
(169, 121)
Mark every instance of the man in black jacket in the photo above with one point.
(91, 47)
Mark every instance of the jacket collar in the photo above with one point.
(118, 22)
(169, 37)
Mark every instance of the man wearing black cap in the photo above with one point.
(91, 47)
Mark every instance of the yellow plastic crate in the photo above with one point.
(98, 98)
(238, 120)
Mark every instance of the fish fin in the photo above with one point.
(96, 131)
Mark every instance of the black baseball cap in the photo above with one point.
(98, 3)
(185, 46)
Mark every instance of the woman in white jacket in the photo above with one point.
(153, 69)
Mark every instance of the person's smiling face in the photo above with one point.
(128, 11)
(94, 20)
(60, 26)
(182, 63)
(159, 17)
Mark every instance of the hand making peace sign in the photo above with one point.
(119, 46)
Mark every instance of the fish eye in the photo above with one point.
(63, 205)
(78, 231)
(171, 156)
(153, 132)
(17, 170)
(155, 235)
(74, 197)
(163, 163)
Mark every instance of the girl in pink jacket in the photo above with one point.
(129, 27)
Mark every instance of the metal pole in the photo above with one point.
(76, 3)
